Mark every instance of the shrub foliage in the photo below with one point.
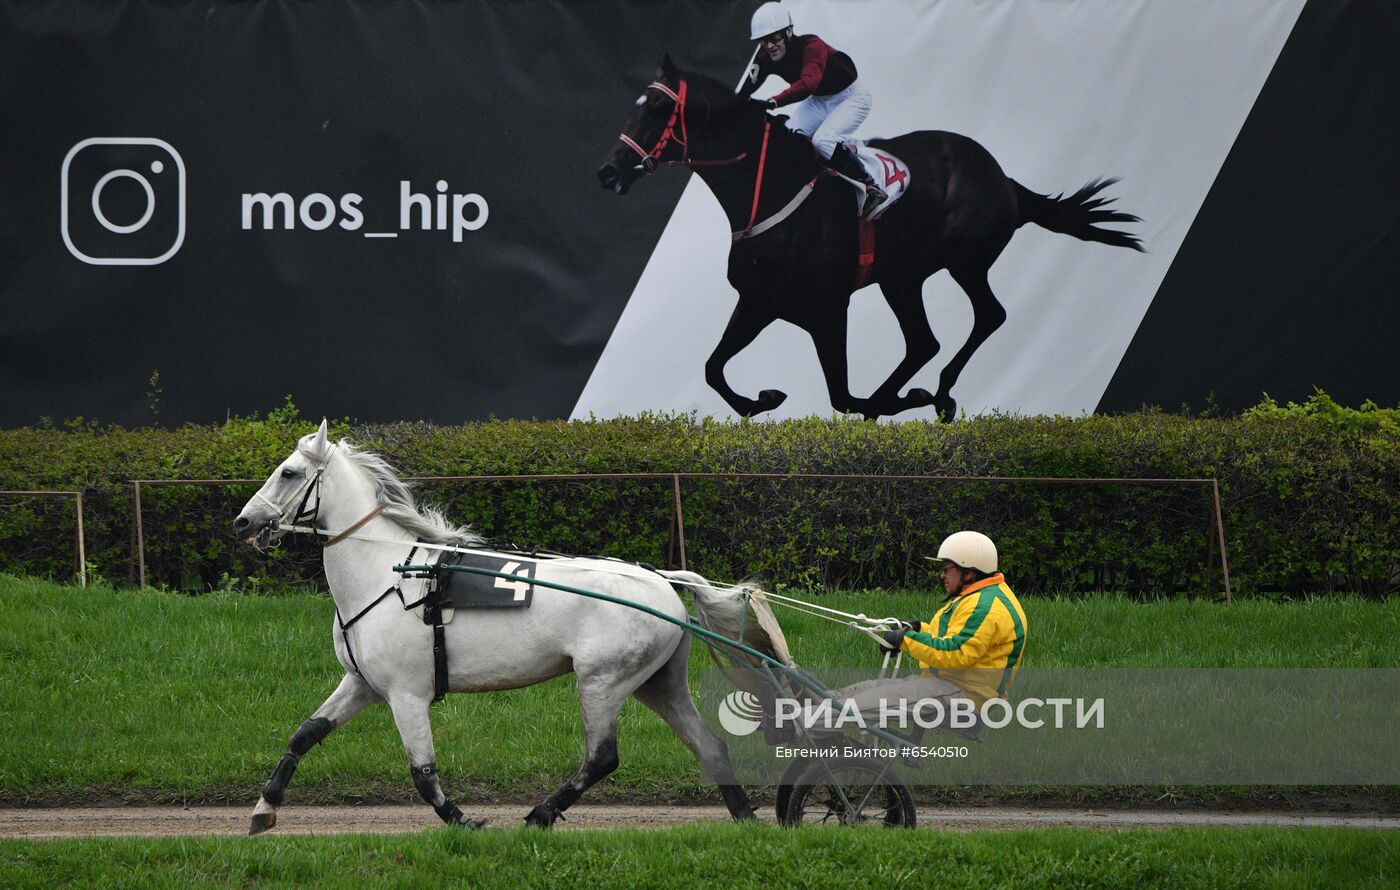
(1309, 492)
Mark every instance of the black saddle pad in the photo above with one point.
(469, 590)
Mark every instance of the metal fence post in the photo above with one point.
(680, 515)
(82, 544)
(1220, 533)
(140, 534)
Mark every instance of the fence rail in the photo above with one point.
(1215, 532)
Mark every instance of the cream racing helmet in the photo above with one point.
(969, 550)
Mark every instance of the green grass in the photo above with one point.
(152, 696)
(723, 856)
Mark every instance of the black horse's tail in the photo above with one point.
(1079, 215)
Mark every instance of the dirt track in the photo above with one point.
(203, 821)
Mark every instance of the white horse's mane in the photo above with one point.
(394, 495)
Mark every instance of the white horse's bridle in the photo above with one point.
(290, 516)
(287, 518)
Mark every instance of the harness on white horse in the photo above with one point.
(449, 590)
(463, 590)
(445, 593)
(407, 606)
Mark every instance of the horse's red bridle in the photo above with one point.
(650, 159)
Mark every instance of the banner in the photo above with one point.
(393, 211)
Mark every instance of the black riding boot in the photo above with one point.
(845, 162)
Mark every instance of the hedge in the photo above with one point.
(1310, 495)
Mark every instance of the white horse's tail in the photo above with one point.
(739, 613)
(723, 610)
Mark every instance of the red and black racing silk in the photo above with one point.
(810, 65)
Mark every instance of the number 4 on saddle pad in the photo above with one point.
(889, 172)
(468, 590)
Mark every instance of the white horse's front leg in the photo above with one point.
(411, 717)
(351, 697)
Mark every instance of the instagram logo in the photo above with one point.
(123, 201)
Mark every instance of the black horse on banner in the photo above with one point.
(797, 244)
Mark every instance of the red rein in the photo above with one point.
(757, 184)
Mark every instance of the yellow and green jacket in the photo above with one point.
(976, 640)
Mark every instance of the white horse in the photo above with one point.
(387, 651)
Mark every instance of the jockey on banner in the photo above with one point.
(823, 80)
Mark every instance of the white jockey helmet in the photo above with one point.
(969, 550)
(770, 18)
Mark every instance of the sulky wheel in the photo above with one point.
(793, 772)
(849, 792)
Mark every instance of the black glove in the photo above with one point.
(914, 626)
(893, 638)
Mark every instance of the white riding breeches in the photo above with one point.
(830, 120)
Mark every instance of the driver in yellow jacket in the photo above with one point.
(978, 637)
(970, 649)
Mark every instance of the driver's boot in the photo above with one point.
(845, 162)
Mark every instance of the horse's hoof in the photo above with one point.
(470, 824)
(541, 817)
(947, 408)
(768, 400)
(262, 822)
